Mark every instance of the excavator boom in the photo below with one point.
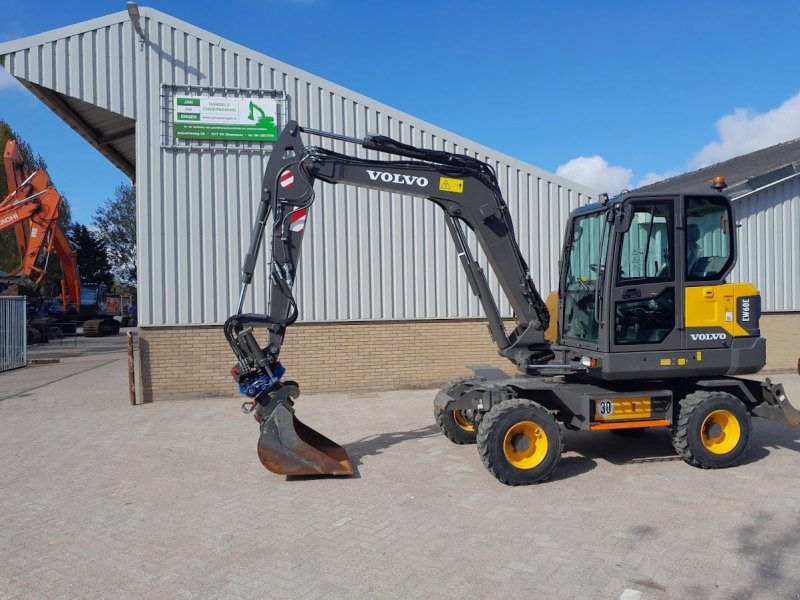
(466, 190)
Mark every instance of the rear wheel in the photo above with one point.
(519, 442)
(458, 426)
(713, 430)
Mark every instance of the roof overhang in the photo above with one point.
(763, 181)
(111, 134)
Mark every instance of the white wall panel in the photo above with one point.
(769, 244)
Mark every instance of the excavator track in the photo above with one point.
(100, 327)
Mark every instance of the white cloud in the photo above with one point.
(596, 173)
(740, 132)
(745, 131)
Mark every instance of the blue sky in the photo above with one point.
(612, 94)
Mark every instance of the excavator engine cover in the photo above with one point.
(287, 446)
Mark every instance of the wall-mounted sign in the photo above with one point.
(229, 119)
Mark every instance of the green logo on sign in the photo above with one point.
(264, 122)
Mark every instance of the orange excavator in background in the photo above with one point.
(31, 208)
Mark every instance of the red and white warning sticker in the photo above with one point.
(286, 179)
(297, 220)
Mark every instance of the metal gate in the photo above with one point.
(13, 350)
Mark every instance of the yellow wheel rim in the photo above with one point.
(525, 445)
(463, 422)
(721, 432)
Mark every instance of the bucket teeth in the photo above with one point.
(288, 446)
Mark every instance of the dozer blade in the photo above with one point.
(287, 446)
(782, 412)
(776, 406)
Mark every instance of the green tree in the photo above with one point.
(93, 264)
(116, 225)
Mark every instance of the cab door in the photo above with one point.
(644, 301)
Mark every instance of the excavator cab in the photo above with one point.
(643, 289)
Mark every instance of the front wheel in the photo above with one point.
(713, 430)
(519, 442)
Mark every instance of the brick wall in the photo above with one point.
(195, 361)
(190, 362)
(781, 331)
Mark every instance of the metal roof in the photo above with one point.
(744, 173)
(106, 127)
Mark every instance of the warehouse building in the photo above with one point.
(383, 299)
(765, 189)
(189, 117)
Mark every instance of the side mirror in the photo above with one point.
(621, 217)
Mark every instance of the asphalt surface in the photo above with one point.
(100, 499)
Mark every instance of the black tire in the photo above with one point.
(497, 447)
(713, 430)
(458, 426)
(110, 327)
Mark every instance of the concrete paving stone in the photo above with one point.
(168, 500)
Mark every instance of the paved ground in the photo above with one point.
(99, 499)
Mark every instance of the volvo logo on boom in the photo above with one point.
(400, 178)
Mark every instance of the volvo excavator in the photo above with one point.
(31, 209)
(648, 332)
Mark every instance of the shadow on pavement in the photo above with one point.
(376, 444)
(370, 446)
(656, 444)
(645, 446)
(571, 466)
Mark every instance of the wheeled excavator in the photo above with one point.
(648, 332)
(31, 208)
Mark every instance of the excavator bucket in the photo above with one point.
(288, 446)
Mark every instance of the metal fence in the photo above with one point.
(13, 349)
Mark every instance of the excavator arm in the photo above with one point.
(467, 191)
(16, 174)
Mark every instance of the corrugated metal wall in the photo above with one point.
(368, 255)
(769, 244)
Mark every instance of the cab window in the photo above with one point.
(646, 253)
(583, 278)
(708, 238)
